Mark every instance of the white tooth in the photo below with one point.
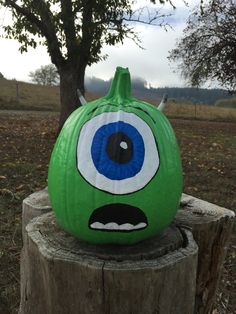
(115, 226)
(111, 226)
(140, 225)
(97, 225)
(126, 227)
(108, 226)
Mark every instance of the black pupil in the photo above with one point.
(119, 148)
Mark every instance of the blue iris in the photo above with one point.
(118, 150)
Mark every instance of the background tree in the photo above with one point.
(1, 76)
(45, 75)
(207, 50)
(74, 33)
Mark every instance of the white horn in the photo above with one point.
(163, 103)
(81, 97)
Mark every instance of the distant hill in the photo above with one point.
(140, 90)
(226, 103)
(25, 96)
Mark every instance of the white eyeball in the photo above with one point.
(117, 152)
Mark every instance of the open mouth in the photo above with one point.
(118, 218)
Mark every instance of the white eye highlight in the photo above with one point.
(123, 145)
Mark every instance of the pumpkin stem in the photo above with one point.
(121, 86)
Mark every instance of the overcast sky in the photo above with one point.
(151, 63)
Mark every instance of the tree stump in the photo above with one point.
(64, 275)
(211, 226)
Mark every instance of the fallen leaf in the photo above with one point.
(20, 187)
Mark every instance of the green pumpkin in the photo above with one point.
(115, 173)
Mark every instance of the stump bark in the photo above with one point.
(65, 275)
(34, 205)
(211, 226)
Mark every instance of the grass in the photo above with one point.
(24, 96)
(209, 165)
(200, 112)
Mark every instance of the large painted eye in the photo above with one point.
(117, 152)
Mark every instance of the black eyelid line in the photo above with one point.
(94, 109)
(144, 112)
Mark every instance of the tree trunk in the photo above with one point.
(71, 79)
(211, 226)
(64, 275)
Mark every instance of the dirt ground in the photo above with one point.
(209, 164)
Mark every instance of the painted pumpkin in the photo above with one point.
(115, 172)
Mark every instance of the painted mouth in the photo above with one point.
(118, 218)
